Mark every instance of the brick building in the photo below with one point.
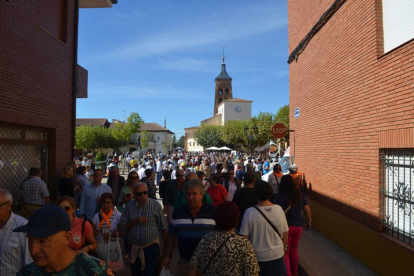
(352, 109)
(39, 83)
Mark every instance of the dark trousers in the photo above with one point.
(273, 268)
(152, 253)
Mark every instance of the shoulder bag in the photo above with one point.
(271, 224)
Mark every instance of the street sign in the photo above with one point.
(279, 130)
(297, 112)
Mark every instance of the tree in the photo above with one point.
(264, 122)
(145, 138)
(122, 131)
(93, 137)
(209, 136)
(233, 133)
(282, 116)
(180, 142)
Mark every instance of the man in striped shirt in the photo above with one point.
(189, 223)
(14, 248)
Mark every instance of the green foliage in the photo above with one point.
(93, 137)
(233, 133)
(209, 136)
(282, 116)
(145, 138)
(99, 157)
(96, 137)
(180, 142)
(123, 131)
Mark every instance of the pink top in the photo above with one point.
(78, 240)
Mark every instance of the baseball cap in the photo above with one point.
(46, 222)
(182, 164)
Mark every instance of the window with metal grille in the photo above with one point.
(398, 193)
(22, 148)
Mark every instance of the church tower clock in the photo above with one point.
(223, 90)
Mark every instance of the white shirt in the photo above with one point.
(232, 189)
(267, 244)
(114, 219)
(141, 173)
(158, 166)
(14, 247)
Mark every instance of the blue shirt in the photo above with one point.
(14, 247)
(89, 203)
(189, 230)
(265, 164)
(293, 216)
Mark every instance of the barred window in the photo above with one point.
(398, 193)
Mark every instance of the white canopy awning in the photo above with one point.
(225, 148)
(212, 148)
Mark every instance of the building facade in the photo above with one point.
(39, 83)
(190, 144)
(226, 108)
(352, 110)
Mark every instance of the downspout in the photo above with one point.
(75, 74)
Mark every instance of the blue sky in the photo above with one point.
(160, 58)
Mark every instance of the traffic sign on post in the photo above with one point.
(279, 130)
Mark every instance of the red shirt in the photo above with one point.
(78, 239)
(217, 194)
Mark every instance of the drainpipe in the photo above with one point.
(75, 74)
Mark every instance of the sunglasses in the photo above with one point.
(143, 193)
(135, 177)
(66, 208)
(4, 203)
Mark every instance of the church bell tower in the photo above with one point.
(223, 90)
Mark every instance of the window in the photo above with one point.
(398, 193)
(398, 22)
(227, 91)
(221, 92)
(52, 17)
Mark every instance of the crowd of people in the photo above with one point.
(215, 207)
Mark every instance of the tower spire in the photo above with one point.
(222, 58)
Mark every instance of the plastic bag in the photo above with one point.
(111, 253)
(165, 272)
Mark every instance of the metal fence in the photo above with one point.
(398, 193)
(22, 148)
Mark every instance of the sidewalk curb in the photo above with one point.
(304, 269)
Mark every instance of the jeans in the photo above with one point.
(152, 253)
(159, 175)
(273, 268)
(292, 256)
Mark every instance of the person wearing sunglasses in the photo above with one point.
(14, 249)
(126, 192)
(82, 238)
(143, 220)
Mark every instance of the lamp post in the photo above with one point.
(250, 132)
